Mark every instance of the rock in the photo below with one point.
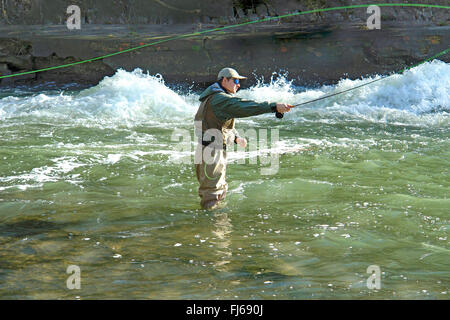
(17, 62)
(240, 12)
(261, 11)
(4, 71)
(90, 72)
(253, 17)
(39, 12)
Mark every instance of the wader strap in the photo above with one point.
(205, 108)
(207, 143)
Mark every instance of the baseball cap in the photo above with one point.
(229, 73)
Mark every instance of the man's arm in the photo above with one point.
(226, 107)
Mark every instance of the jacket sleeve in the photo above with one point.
(226, 107)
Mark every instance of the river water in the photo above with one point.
(96, 178)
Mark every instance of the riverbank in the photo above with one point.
(311, 53)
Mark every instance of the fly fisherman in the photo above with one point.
(214, 123)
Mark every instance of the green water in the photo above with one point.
(359, 193)
(93, 178)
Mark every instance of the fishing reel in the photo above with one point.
(279, 115)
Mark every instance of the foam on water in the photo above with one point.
(419, 96)
(40, 175)
(127, 98)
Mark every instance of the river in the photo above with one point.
(96, 178)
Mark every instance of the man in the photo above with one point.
(215, 128)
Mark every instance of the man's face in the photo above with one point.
(231, 85)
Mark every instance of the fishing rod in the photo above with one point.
(279, 115)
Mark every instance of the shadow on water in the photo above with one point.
(24, 228)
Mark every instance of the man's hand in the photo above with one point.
(283, 107)
(241, 142)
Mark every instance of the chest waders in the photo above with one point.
(211, 168)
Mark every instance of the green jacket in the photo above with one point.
(225, 106)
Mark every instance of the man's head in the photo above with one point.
(229, 79)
